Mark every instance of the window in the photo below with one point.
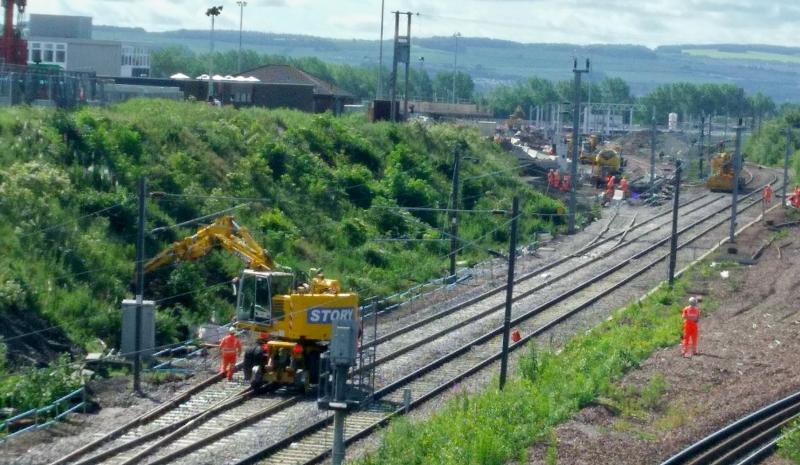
(47, 52)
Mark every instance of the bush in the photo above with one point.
(37, 387)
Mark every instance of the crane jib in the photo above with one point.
(329, 315)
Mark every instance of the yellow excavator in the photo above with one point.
(295, 321)
(721, 179)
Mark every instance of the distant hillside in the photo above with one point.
(771, 70)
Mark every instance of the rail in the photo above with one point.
(312, 433)
(724, 441)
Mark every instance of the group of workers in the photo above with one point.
(611, 185)
(558, 181)
(793, 198)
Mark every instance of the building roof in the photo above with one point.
(287, 74)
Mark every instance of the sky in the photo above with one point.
(644, 22)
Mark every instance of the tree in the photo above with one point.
(443, 86)
(615, 90)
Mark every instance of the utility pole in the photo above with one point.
(737, 166)
(402, 54)
(673, 245)
(653, 149)
(241, 4)
(453, 213)
(137, 345)
(455, 65)
(702, 146)
(512, 256)
(786, 165)
(213, 12)
(576, 119)
(380, 58)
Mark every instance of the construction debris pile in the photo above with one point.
(660, 192)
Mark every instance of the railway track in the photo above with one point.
(746, 441)
(308, 445)
(186, 430)
(190, 408)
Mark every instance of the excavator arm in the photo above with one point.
(224, 232)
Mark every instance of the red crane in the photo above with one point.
(13, 48)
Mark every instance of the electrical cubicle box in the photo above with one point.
(336, 362)
(148, 328)
(343, 343)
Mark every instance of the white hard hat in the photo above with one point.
(231, 330)
(692, 300)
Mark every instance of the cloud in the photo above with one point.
(652, 22)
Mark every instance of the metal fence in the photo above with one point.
(46, 416)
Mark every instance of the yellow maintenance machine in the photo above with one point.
(722, 173)
(294, 320)
(588, 150)
(607, 163)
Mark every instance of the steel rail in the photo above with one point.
(202, 442)
(171, 430)
(140, 420)
(466, 348)
(524, 277)
(468, 320)
(522, 295)
(721, 443)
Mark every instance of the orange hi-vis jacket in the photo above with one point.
(230, 344)
(767, 193)
(691, 315)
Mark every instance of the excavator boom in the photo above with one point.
(224, 232)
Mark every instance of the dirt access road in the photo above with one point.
(748, 358)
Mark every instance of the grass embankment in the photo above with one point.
(493, 427)
(789, 445)
(768, 145)
(315, 190)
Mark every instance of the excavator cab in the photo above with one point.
(259, 297)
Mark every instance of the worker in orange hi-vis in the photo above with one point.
(230, 347)
(623, 185)
(612, 181)
(565, 180)
(550, 175)
(556, 179)
(691, 315)
(767, 195)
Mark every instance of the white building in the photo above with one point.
(66, 41)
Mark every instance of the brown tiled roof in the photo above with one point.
(287, 74)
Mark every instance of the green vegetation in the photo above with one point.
(32, 387)
(768, 145)
(361, 81)
(495, 426)
(315, 190)
(789, 445)
(688, 99)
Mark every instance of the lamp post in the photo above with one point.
(241, 4)
(380, 57)
(455, 65)
(212, 12)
